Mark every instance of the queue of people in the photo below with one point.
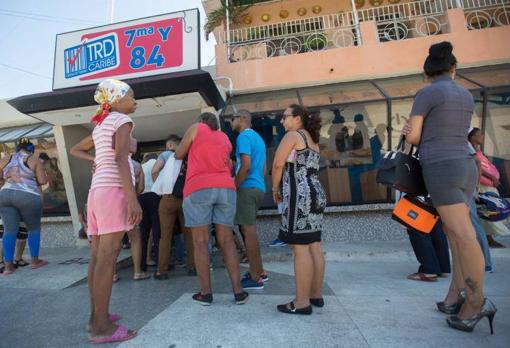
(196, 183)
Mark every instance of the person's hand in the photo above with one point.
(407, 129)
(93, 167)
(134, 211)
(277, 197)
(495, 182)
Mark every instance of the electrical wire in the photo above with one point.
(25, 71)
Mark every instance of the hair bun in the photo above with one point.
(441, 50)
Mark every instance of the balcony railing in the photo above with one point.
(291, 37)
(394, 22)
(481, 14)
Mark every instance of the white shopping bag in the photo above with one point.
(164, 184)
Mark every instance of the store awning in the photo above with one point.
(146, 87)
(34, 131)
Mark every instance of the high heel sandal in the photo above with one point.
(488, 310)
(453, 308)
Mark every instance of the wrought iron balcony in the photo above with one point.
(394, 22)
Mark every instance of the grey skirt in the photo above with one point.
(451, 182)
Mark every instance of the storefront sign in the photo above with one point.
(143, 47)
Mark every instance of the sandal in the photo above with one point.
(120, 335)
(21, 263)
(141, 276)
(116, 278)
(111, 317)
(422, 277)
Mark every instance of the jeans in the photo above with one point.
(431, 250)
(150, 221)
(15, 206)
(480, 235)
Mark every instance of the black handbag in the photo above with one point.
(402, 171)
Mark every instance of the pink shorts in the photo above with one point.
(107, 211)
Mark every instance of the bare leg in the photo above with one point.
(319, 266)
(136, 249)
(457, 282)
(201, 250)
(20, 249)
(461, 231)
(303, 270)
(251, 242)
(94, 247)
(108, 250)
(230, 256)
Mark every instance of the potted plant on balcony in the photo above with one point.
(237, 13)
(316, 42)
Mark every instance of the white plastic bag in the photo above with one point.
(164, 184)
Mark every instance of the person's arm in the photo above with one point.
(140, 186)
(157, 168)
(244, 151)
(40, 173)
(187, 140)
(412, 130)
(244, 170)
(82, 149)
(282, 154)
(122, 142)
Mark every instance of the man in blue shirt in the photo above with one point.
(250, 172)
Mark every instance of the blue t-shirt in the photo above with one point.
(251, 144)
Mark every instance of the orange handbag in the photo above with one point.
(415, 213)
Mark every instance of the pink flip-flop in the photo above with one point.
(40, 264)
(120, 335)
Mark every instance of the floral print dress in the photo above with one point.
(303, 197)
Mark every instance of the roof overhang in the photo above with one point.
(190, 81)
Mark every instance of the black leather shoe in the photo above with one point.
(289, 308)
(317, 302)
(161, 276)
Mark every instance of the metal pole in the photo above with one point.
(110, 7)
(356, 21)
(227, 15)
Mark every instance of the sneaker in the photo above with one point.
(263, 276)
(489, 269)
(180, 263)
(241, 298)
(204, 300)
(250, 284)
(277, 243)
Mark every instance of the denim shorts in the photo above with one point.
(18, 205)
(214, 205)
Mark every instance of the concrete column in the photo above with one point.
(76, 173)
(456, 21)
(63, 157)
(369, 33)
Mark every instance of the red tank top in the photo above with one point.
(209, 163)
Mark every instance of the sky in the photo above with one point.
(28, 29)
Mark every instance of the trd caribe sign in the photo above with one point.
(143, 47)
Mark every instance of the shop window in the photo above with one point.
(497, 136)
(54, 194)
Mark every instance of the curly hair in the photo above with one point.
(312, 122)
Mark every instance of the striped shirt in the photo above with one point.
(107, 171)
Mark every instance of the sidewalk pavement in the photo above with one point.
(369, 303)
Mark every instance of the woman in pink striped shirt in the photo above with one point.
(112, 206)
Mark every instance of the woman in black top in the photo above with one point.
(440, 119)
